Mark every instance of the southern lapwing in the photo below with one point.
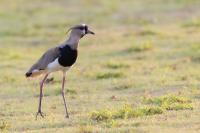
(59, 58)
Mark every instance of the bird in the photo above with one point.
(59, 58)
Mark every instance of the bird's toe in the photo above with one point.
(39, 113)
(67, 116)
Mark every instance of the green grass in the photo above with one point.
(116, 65)
(142, 48)
(125, 112)
(107, 75)
(160, 104)
(170, 102)
(4, 125)
(195, 23)
(146, 46)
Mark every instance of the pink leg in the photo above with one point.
(41, 95)
(63, 95)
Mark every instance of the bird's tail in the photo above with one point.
(34, 73)
(28, 74)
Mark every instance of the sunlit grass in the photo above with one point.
(162, 103)
(125, 112)
(4, 125)
(146, 46)
(170, 102)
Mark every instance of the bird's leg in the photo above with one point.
(63, 95)
(40, 98)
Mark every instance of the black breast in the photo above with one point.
(68, 56)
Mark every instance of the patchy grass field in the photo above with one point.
(139, 73)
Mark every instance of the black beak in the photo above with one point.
(90, 32)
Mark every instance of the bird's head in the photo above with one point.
(80, 30)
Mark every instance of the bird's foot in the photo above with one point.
(67, 116)
(39, 113)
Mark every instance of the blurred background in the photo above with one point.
(24, 18)
(142, 49)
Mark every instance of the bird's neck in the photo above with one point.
(72, 41)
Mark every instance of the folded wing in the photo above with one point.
(40, 66)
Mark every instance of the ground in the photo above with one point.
(142, 49)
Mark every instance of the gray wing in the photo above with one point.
(48, 57)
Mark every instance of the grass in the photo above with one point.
(142, 48)
(4, 126)
(125, 112)
(123, 86)
(86, 129)
(116, 65)
(170, 102)
(146, 46)
(107, 75)
(193, 23)
(159, 105)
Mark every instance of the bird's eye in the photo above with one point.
(81, 28)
